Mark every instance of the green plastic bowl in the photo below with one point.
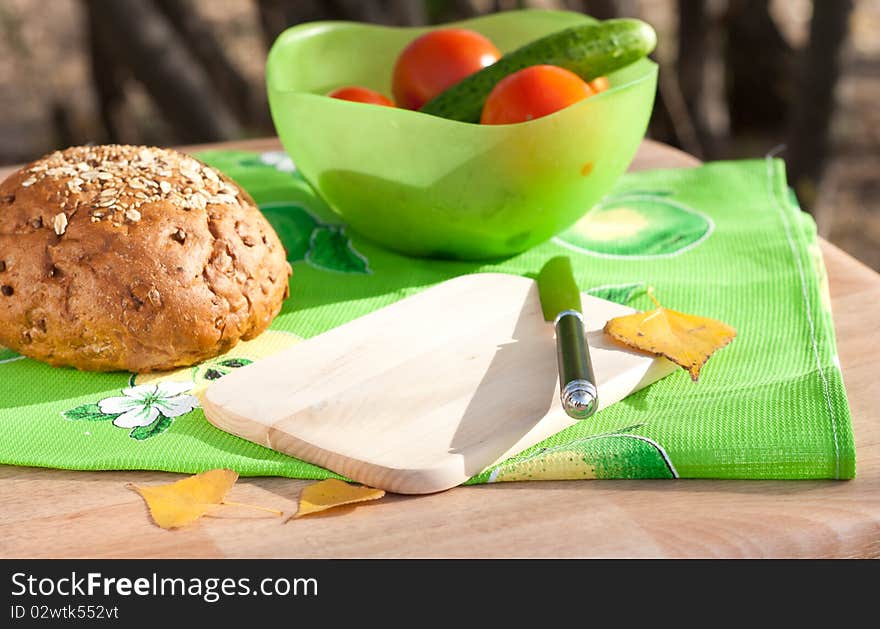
(432, 187)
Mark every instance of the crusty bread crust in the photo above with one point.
(132, 258)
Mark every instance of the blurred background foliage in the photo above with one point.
(739, 78)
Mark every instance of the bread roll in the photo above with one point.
(132, 258)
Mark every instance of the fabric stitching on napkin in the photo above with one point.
(809, 312)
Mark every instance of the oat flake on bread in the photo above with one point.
(133, 258)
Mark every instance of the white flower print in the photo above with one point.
(279, 159)
(142, 405)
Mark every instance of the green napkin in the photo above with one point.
(725, 240)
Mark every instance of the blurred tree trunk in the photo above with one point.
(441, 11)
(247, 102)
(603, 9)
(176, 83)
(600, 9)
(693, 33)
(759, 69)
(277, 15)
(273, 19)
(62, 123)
(410, 12)
(670, 120)
(819, 70)
(465, 8)
(108, 78)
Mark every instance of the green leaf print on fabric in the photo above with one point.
(216, 369)
(331, 250)
(88, 412)
(618, 293)
(157, 427)
(321, 245)
(294, 226)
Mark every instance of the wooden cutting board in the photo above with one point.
(419, 396)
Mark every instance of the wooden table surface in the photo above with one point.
(55, 513)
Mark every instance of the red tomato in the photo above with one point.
(533, 92)
(361, 95)
(436, 61)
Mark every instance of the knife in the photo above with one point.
(561, 303)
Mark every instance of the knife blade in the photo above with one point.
(561, 303)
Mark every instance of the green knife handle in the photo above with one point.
(577, 383)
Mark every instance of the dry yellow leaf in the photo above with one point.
(185, 501)
(687, 340)
(333, 493)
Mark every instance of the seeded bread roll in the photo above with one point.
(132, 258)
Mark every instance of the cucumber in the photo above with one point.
(589, 50)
